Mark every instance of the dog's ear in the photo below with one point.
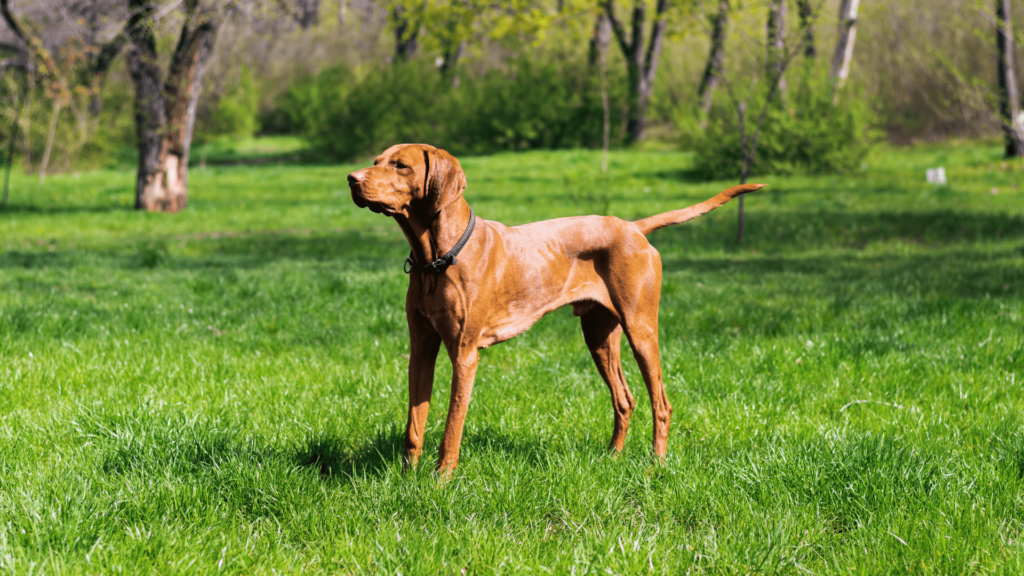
(445, 179)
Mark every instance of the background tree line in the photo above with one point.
(755, 85)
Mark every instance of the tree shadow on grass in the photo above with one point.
(955, 273)
(789, 230)
(24, 209)
(244, 251)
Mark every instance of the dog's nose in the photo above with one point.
(353, 179)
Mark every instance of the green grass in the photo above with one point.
(224, 390)
(262, 150)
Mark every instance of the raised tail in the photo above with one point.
(652, 223)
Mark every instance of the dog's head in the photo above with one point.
(409, 179)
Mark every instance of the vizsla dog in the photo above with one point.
(474, 283)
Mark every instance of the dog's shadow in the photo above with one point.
(332, 456)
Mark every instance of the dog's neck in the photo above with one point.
(432, 239)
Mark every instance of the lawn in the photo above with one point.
(224, 390)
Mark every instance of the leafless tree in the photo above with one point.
(306, 12)
(807, 18)
(641, 64)
(844, 44)
(600, 37)
(750, 135)
(1009, 97)
(775, 29)
(407, 30)
(710, 79)
(165, 110)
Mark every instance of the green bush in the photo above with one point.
(806, 132)
(531, 105)
(236, 114)
(537, 105)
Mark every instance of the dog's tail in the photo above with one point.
(652, 223)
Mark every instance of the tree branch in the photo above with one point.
(16, 62)
(620, 34)
(5, 9)
(107, 53)
(657, 37)
(637, 45)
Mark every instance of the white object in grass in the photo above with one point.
(936, 175)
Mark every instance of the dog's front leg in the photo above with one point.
(424, 343)
(464, 363)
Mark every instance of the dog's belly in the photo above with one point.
(514, 313)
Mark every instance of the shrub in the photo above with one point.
(236, 114)
(537, 105)
(531, 105)
(806, 133)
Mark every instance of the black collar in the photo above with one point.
(441, 264)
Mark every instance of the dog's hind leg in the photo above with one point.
(636, 301)
(603, 335)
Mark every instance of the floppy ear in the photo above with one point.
(445, 179)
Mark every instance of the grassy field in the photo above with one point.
(224, 390)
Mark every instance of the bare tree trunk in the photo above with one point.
(405, 34)
(149, 101)
(599, 39)
(10, 149)
(1009, 98)
(844, 45)
(49, 137)
(450, 60)
(807, 25)
(713, 69)
(342, 9)
(776, 32)
(181, 96)
(26, 130)
(307, 13)
(165, 112)
(642, 66)
(605, 107)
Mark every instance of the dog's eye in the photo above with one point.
(400, 166)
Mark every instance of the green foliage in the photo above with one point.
(112, 143)
(803, 132)
(236, 114)
(535, 105)
(224, 391)
(530, 105)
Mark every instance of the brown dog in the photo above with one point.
(504, 279)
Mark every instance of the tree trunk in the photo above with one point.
(642, 67)
(1009, 98)
(26, 130)
(51, 133)
(405, 34)
(776, 32)
(606, 116)
(713, 69)
(807, 25)
(599, 39)
(149, 101)
(450, 60)
(844, 45)
(165, 112)
(307, 13)
(9, 158)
